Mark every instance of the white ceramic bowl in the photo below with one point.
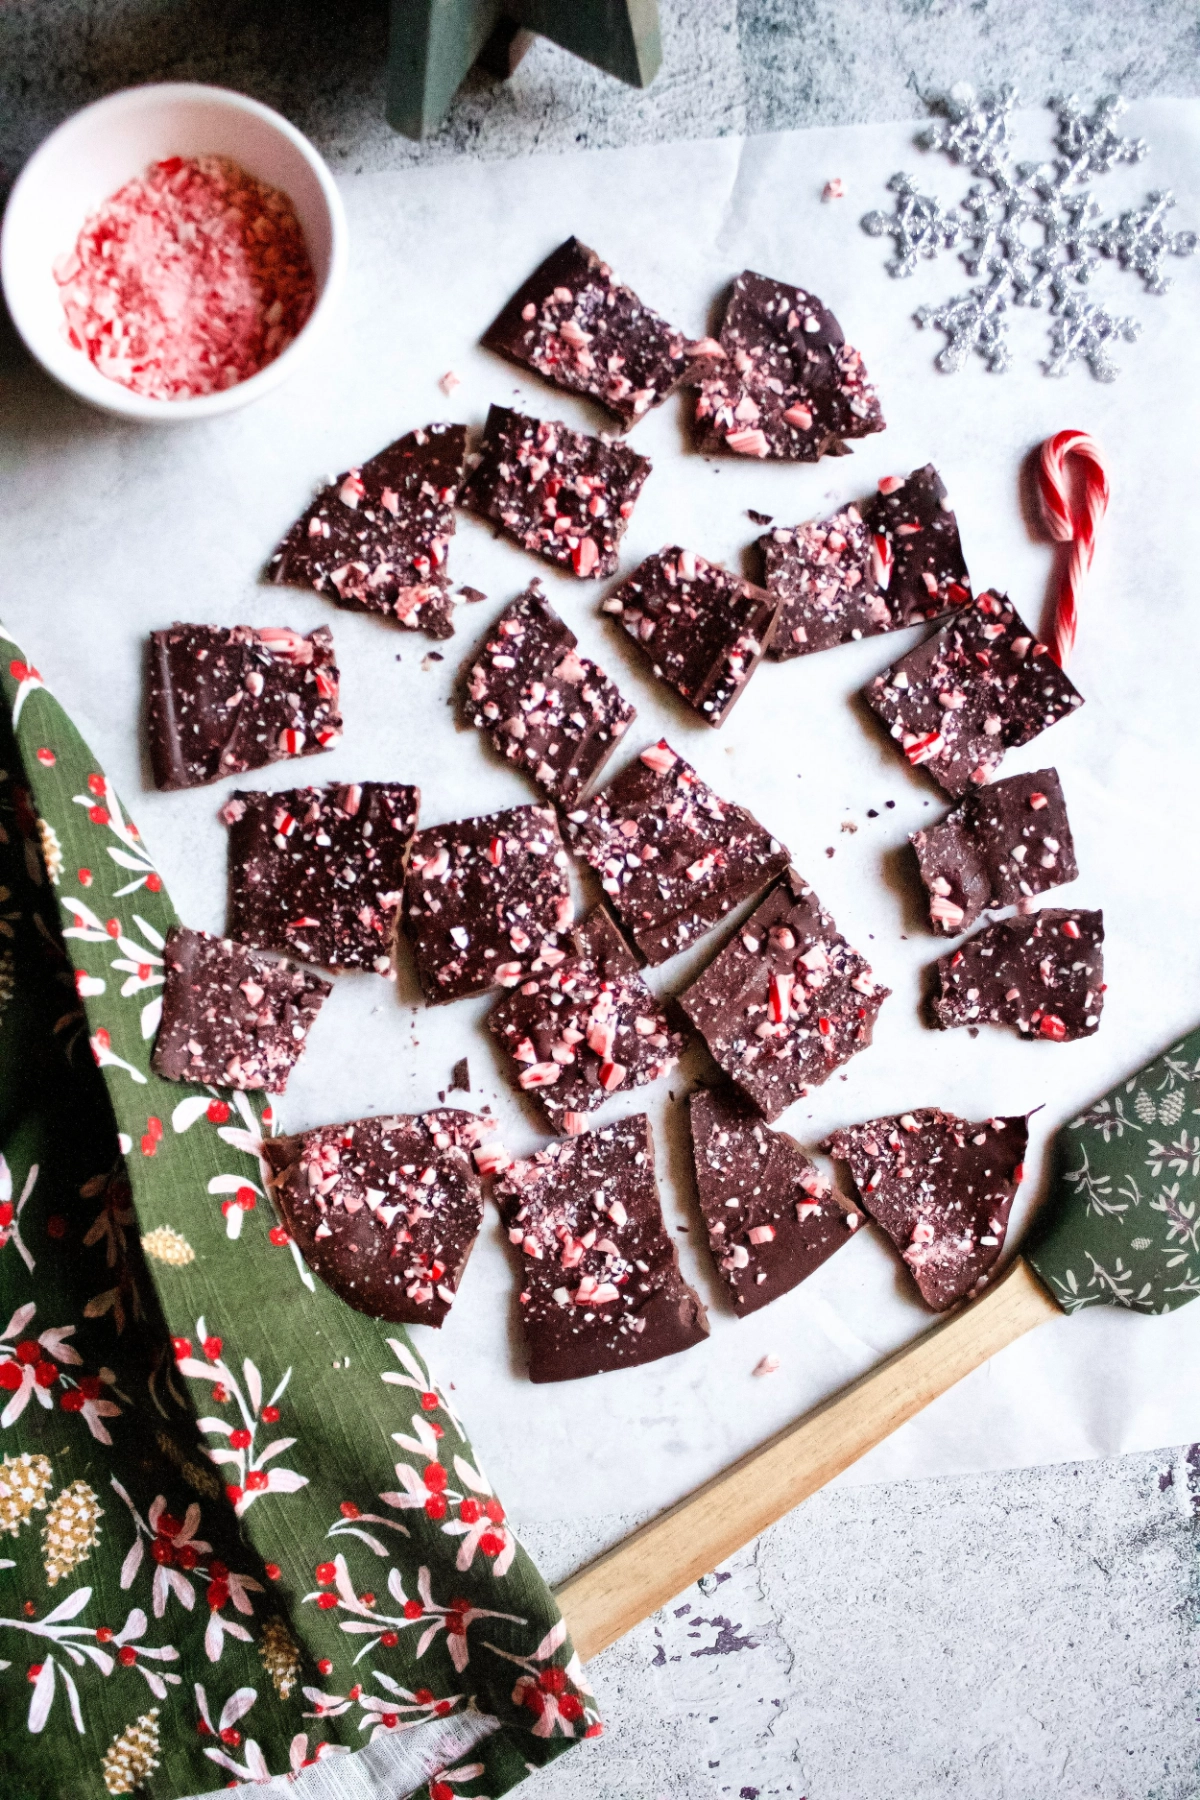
(110, 143)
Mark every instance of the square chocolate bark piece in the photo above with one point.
(231, 1017)
(318, 872)
(702, 629)
(976, 688)
(790, 386)
(942, 1188)
(1005, 843)
(551, 711)
(484, 901)
(601, 1285)
(385, 1210)
(221, 701)
(787, 1001)
(556, 492)
(1042, 973)
(376, 539)
(672, 856)
(587, 1028)
(771, 1215)
(575, 324)
(890, 562)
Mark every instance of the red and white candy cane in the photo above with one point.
(1075, 528)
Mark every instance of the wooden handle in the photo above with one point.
(624, 1586)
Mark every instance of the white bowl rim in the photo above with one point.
(123, 401)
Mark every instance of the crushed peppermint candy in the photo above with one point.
(187, 280)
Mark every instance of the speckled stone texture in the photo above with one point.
(728, 66)
(990, 1637)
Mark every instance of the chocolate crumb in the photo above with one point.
(829, 851)
(759, 518)
(889, 804)
(871, 813)
(460, 1078)
(470, 593)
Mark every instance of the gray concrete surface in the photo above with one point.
(995, 1637)
(728, 65)
(1002, 1637)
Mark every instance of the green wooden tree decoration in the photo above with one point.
(435, 42)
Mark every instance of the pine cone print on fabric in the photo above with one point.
(166, 1245)
(1144, 1107)
(1170, 1109)
(52, 855)
(72, 1528)
(24, 1481)
(280, 1656)
(131, 1758)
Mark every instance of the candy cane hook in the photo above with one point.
(1077, 529)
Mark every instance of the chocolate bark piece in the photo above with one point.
(224, 700)
(585, 1029)
(575, 324)
(543, 706)
(918, 560)
(385, 1210)
(976, 688)
(787, 1001)
(231, 1017)
(702, 629)
(601, 1285)
(771, 1215)
(887, 563)
(556, 492)
(318, 872)
(942, 1188)
(791, 386)
(375, 540)
(484, 901)
(821, 575)
(1005, 843)
(672, 856)
(1043, 973)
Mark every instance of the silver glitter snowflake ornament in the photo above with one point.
(1030, 230)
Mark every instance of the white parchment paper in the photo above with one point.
(110, 531)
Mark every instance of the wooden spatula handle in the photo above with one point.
(631, 1581)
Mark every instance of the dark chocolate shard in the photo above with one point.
(942, 1188)
(224, 700)
(460, 1078)
(790, 385)
(376, 539)
(920, 565)
(586, 1028)
(385, 1210)
(771, 1216)
(554, 713)
(672, 856)
(1005, 843)
(318, 872)
(575, 324)
(702, 629)
(787, 1001)
(601, 1285)
(556, 492)
(1042, 972)
(231, 1017)
(886, 563)
(976, 688)
(484, 901)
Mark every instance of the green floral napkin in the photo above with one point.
(241, 1527)
(1122, 1227)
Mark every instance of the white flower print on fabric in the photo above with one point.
(244, 1452)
